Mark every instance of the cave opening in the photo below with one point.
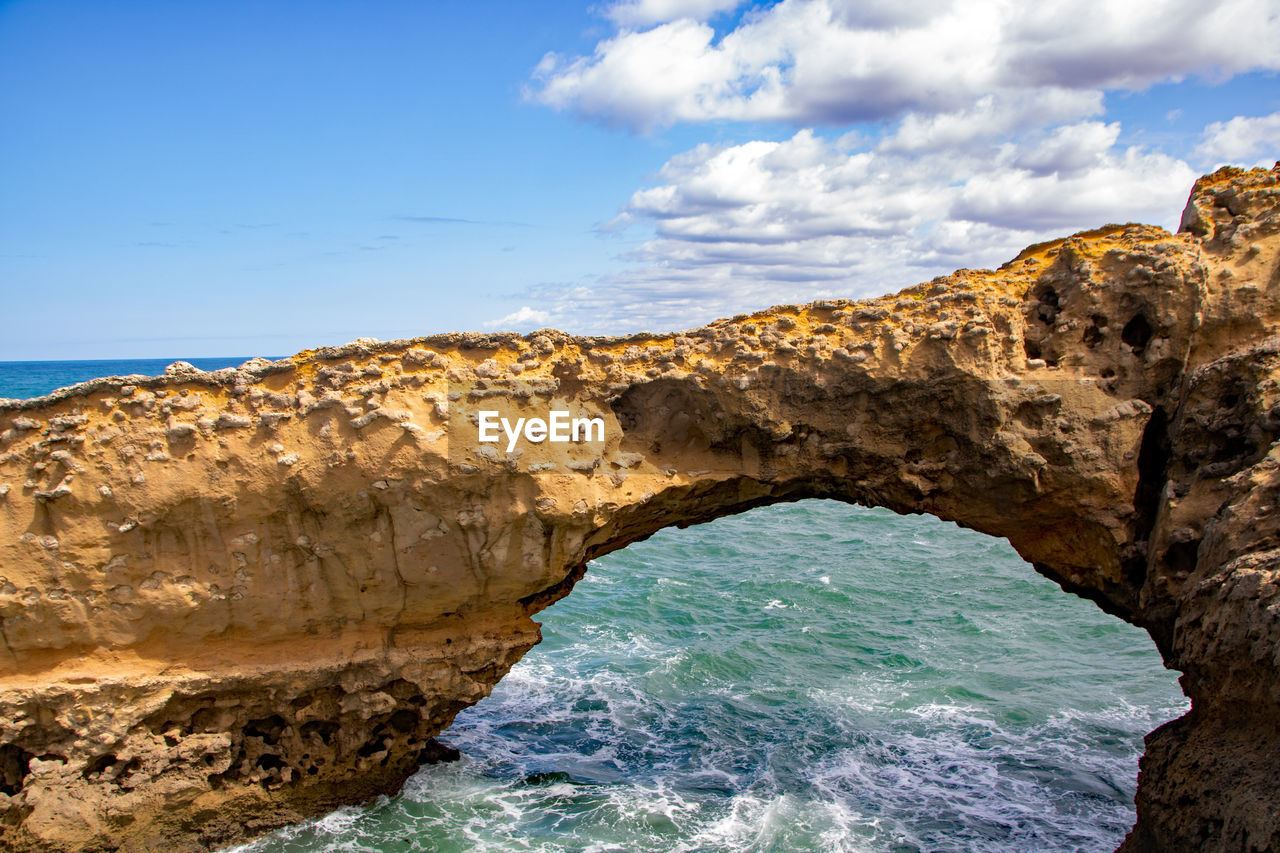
(800, 676)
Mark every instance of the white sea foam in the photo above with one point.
(930, 693)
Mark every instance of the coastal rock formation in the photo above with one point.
(230, 600)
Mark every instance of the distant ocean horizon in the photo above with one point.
(24, 379)
(801, 677)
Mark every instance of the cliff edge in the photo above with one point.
(233, 599)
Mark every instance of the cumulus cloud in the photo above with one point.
(842, 61)
(988, 132)
(521, 320)
(1244, 140)
(992, 117)
(646, 13)
(739, 227)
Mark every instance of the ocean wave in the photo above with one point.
(893, 684)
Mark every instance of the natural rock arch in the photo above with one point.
(233, 599)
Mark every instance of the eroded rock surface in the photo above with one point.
(231, 600)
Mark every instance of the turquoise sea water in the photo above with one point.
(21, 379)
(801, 677)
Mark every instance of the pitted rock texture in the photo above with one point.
(230, 600)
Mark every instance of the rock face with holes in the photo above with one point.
(230, 600)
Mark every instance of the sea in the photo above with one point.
(801, 677)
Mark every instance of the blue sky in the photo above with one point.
(199, 178)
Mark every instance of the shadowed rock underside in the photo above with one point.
(234, 599)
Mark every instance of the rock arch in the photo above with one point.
(233, 599)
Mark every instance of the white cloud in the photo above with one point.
(1132, 45)
(1244, 140)
(1119, 186)
(646, 13)
(991, 117)
(642, 79)
(522, 319)
(841, 61)
(742, 227)
(994, 137)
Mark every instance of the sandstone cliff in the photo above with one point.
(230, 600)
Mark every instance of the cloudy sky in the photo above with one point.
(243, 178)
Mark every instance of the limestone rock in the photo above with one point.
(236, 598)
